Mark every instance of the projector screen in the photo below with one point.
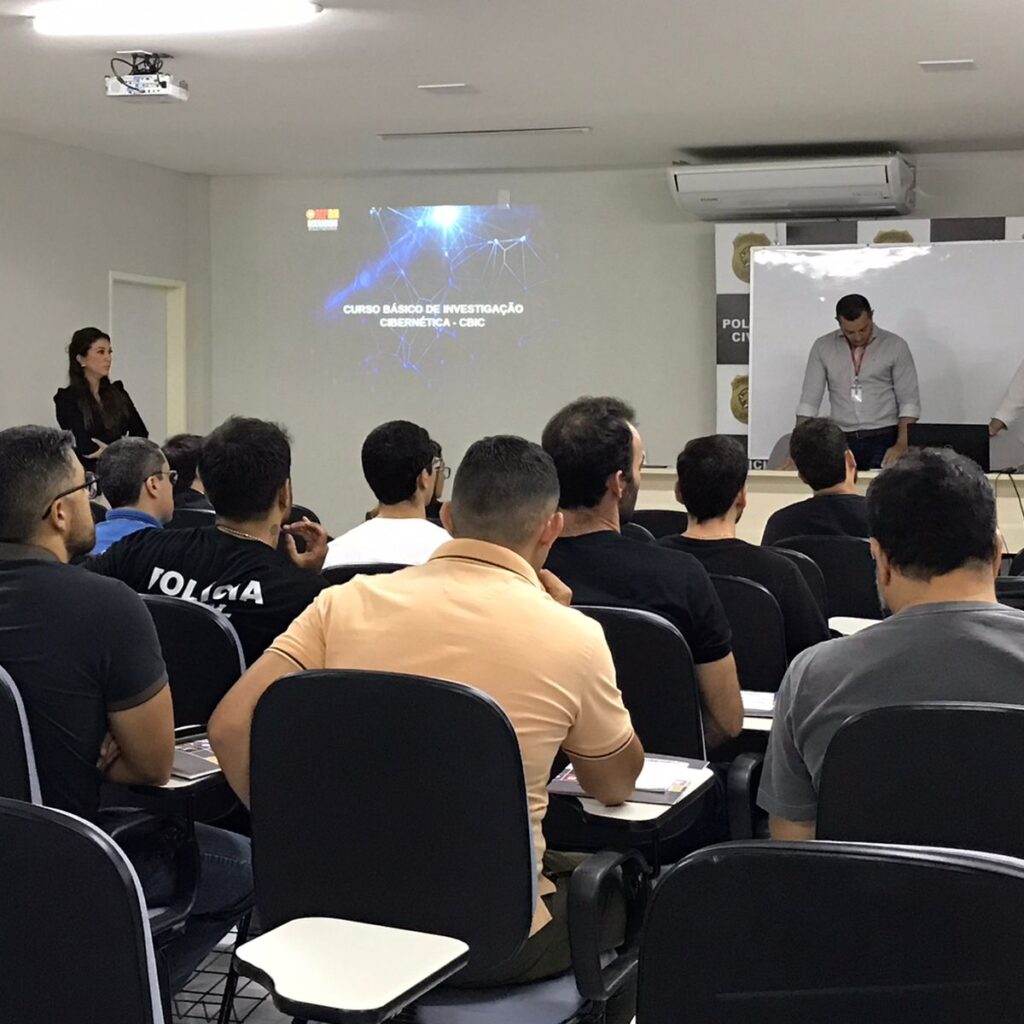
(959, 305)
(421, 288)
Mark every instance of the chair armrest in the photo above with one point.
(741, 794)
(129, 828)
(591, 883)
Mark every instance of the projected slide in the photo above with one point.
(422, 287)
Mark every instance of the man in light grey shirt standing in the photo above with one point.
(871, 381)
(932, 519)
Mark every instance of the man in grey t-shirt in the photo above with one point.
(932, 518)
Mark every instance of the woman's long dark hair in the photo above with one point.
(112, 407)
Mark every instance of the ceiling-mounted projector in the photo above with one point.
(144, 79)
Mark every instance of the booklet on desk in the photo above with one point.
(663, 780)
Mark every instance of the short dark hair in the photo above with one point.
(589, 441)
(850, 307)
(244, 463)
(124, 466)
(818, 449)
(932, 512)
(711, 472)
(36, 463)
(394, 454)
(505, 487)
(182, 452)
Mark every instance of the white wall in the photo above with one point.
(67, 218)
(631, 317)
(636, 310)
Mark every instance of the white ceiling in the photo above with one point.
(652, 78)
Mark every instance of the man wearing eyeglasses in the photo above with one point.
(402, 469)
(135, 478)
(84, 655)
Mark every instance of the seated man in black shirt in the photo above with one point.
(236, 568)
(712, 484)
(85, 657)
(818, 449)
(182, 454)
(598, 454)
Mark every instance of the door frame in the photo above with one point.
(177, 381)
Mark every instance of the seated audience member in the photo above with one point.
(433, 509)
(137, 481)
(182, 453)
(85, 656)
(936, 548)
(599, 454)
(402, 470)
(818, 449)
(711, 478)
(483, 612)
(246, 467)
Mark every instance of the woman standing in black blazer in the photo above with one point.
(95, 410)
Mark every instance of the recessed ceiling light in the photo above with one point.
(166, 17)
(484, 133)
(960, 64)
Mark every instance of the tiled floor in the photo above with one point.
(200, 1000)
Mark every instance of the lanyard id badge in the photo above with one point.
(856, 392)
(857, 359)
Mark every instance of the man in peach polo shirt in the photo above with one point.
(482, 612)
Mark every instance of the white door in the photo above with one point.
(138, 333)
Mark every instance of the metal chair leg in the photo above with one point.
(227, 999)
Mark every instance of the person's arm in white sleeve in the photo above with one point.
(1012, 405)
(815, 379)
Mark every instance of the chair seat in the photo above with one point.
(327, 969)
(543, 1002)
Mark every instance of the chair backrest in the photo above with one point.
(941, 774)
(190, 518)
(1017, 564)
(634, 531)
(74, 935)
(418, 817)
(99, 511)
(656, 675)
(1010, 591)
(662, 522)
(758, 632)
(759, 932)
(202, 652)
(19, 779)
(812, 576)
(343, 573)
(849, 572)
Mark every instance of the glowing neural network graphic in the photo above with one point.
(448, 277)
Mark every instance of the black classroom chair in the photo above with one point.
(849, 572)
(339, 574)
(99, 511)
(661, 522)
(656, 675)
(74, 933)
(768, 933)
(191, 518)
(758, 632)
(393, 750)
(1010, 591)
(634, 531)
(812, 576)
(202, 652)
(937, 774)
(19, 779)
(1017, 564)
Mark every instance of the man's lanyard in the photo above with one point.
(857, 363)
